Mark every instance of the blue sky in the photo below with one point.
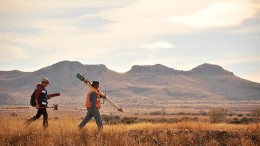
(120, 34)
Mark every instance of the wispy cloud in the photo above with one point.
(219, 14)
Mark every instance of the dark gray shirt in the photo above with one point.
(93, 100)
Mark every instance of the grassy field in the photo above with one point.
(63, 131)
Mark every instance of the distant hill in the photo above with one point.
(149, 83)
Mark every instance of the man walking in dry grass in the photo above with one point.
(41, 98)
(93, 105)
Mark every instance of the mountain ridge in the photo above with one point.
(150, 82)
(210, 69)
(133, 69)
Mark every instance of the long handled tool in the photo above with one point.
(55, 107)
(87, 82)
(53, 95)
(18, 107)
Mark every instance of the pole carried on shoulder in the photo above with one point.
(87, 82)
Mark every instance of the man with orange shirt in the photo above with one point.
(93, 105)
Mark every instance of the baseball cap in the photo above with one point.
(46, 80)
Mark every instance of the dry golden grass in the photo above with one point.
(64, 132)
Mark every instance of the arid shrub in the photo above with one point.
(256, 112)
(234, 121)
(156, 113)
(217, 115)
(230, 114)
(110, 118)
(13, 114)
(203, 113)
(182, 113)
(240, 115)
(129, 120)
(245, 120)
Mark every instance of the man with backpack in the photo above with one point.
(40, 96)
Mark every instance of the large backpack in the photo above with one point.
(32, 101)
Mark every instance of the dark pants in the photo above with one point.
(41, 111)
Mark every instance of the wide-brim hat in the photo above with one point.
(95, 83)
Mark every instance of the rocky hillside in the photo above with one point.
(149, 83)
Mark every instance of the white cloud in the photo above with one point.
(219, 14)
(158, 45)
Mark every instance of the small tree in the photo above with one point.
(217, 115)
